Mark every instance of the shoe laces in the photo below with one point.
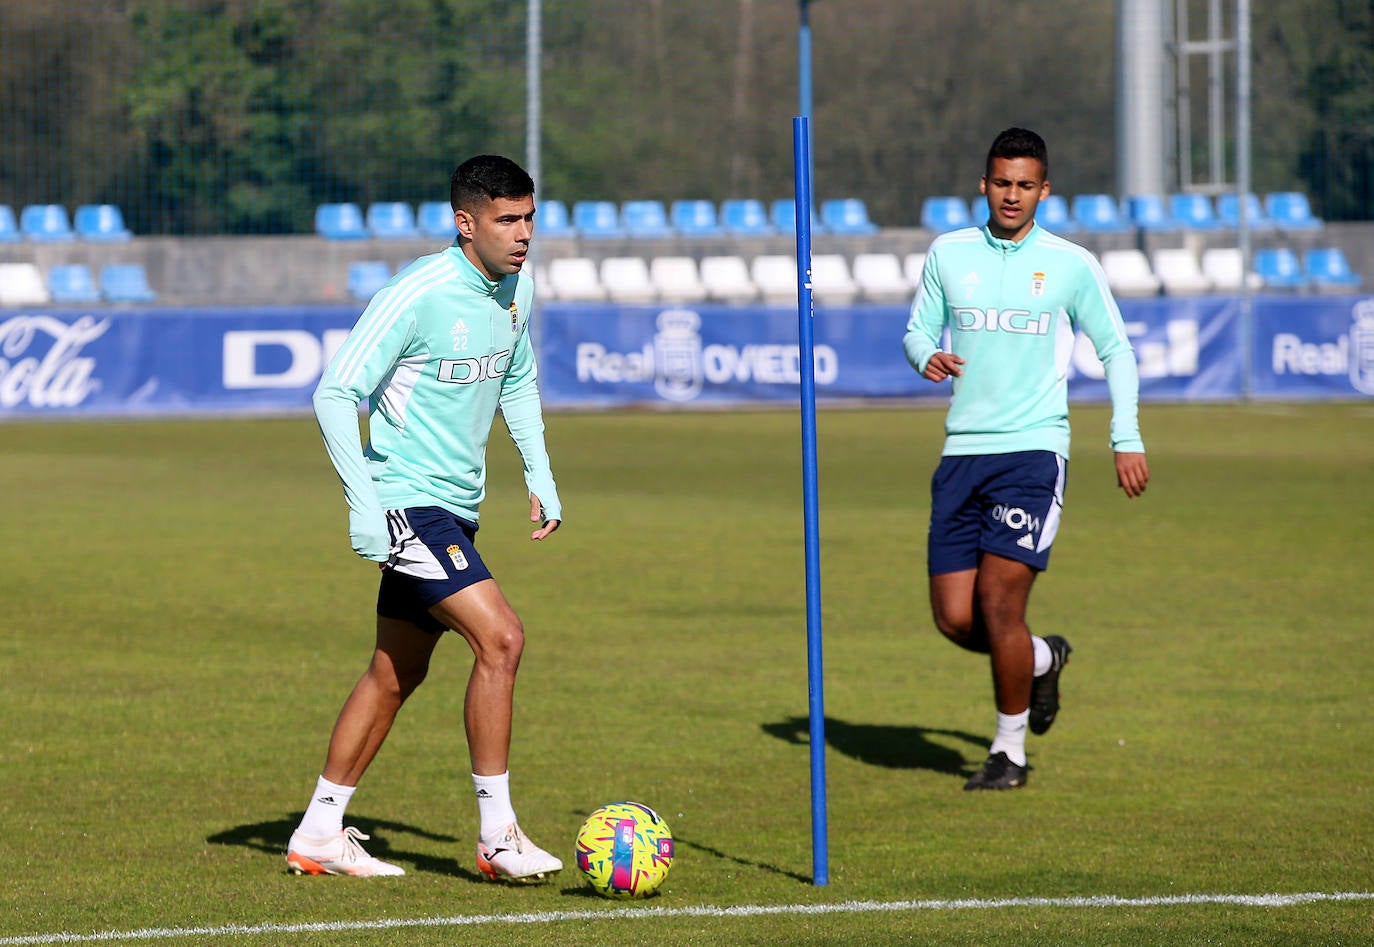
(513, 837)
(353, 849)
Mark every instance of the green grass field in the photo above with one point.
(183, 617)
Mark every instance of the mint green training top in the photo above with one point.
(438, 349)
(1011, 310)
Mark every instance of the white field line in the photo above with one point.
(648, 913)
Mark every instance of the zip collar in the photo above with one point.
(473, 278)
(1011, 246)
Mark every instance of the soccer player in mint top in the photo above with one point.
(1011, 295)
(436, 352)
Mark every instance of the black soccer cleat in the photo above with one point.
(1044, 701)
(998, 772)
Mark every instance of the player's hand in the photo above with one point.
(1132, 473)
(369, 536)
(537, 516)
(943, 365)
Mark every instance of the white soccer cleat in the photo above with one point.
(510, 856)
(341, 855)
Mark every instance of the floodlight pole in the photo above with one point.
(801, 148)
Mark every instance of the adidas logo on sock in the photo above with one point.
(483, 794)
(327, 801)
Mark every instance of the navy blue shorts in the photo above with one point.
(432, 556)
(1006, 504)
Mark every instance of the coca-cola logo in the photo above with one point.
(57, 378)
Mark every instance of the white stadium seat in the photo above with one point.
(21, 284)
(727, 279)
(626, 280)
(831, 284)
(1129, 274)
(575, 279)
(677, 279)
(1179, 271)
(880, 277)
(912, 266)
(775, 274)
(1225, 267)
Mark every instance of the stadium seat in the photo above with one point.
(1180, 272)
(391, 220)
(22, 285)
(365, 277)
(626, 279)
(46, 223)
(727, 279)
(879, 276)
(1280, 268)
(1290, 210)
(775, 274)
(677, 279)
(942, 214)
(1098, 213)
(597, 220)
(72, 283)
(100, 223)
(551, 220)
(1193, 211)
(1053, 214)
(340, 222)
(1129, 274)
(125, 283)
(1228, 211)
(1225, 267)
(695, 218)
(978, 211)
(831, 282)
(9, 226)
(746, 217)
(1149, 212)
(435, 219)
(913, 265)
(645, 219)
(1328, 269)
(783, 213)
(575, 279)
(847, 215)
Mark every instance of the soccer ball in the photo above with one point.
(624, 850)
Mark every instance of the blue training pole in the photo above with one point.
(801, 147)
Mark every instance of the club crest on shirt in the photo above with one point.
(460, 561)
(514, 317)
(1037, 284)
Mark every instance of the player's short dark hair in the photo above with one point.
(485, 178)
(1019, 143)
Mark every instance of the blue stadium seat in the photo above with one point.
(1228, 211)
(1098, 213)
(1149, 212)
(783, 213)
(1053, 214)
(1328, 268)
(942, 213)
(746, 217)
(847, 215)
(340, 222)
(72, 283)
(125, 283)
(551, 220)
(695, 218)
(597, 220)
(1193, 211)
(9, 226)
(1290, 210)
(100, 222)
(365, 277)
(435, 219)
(391, 220)
(1280, 268)
(978, 211)
(645, 218)
(46, 223)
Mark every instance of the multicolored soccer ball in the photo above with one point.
(624, 850)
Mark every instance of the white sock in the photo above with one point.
(324, 816)
(1011, 736)
(493, 802)
(1044, 657)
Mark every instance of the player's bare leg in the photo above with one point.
(952, 605)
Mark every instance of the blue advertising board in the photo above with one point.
(160, 361)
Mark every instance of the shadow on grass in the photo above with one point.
(271, 837)
(882, 745)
